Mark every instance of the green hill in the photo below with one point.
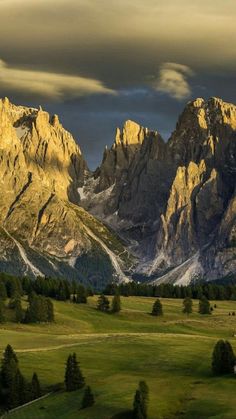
(172, 353)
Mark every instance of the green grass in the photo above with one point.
(172, 353)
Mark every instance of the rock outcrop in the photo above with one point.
(176, 200)
(43, 231)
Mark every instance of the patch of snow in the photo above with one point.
(24, 256)
(113, 258)
(81, 193)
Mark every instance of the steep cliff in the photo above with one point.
(43, 231)
(174, 200)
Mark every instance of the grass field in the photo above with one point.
(172, 353)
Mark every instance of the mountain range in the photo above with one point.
(164, 212)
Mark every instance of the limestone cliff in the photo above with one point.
(174, 201)
(43, 231)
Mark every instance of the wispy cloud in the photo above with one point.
(49, 85)
(173, 80)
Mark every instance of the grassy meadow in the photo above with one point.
(172, 353)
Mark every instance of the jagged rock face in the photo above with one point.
(176, 199)
(43, 231)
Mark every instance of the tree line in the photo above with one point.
(211, 291)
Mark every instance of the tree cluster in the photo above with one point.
(103, 304)
(14, 388)
(40, 309)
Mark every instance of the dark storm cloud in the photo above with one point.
(99, 62)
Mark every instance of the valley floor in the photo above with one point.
(172, 353)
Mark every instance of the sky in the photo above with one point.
(97, 63)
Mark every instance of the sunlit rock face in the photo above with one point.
(43, 231)
(175, 201)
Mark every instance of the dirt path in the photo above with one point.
(86, 339)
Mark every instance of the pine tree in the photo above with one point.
(81, 295)
(144, 390)
(88, 399)
(187, 305)
(137, 406)
(9, 371)
(204, 306)
(2, 312)
(19, 314)
(3, 291)
(141, 399)
(35, 387)
(116, 304)
(50, 310)
(103, 303)
(223, 358)
(73, 375)
(157, 308)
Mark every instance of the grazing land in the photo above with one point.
(171, 353)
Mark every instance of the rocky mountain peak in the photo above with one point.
(131, 134)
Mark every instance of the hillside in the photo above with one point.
(116, 351)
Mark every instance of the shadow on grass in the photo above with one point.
(123, 415)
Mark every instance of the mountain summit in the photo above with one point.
(163, 211)
(174, 201)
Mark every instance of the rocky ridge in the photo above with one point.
(174, 201)
(43, 230)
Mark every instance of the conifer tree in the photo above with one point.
(144, 390)
(74, 379)
(103, 303)
(19, 314)
(3, 291)
(88, 398)
(116, 304)
(157, 308)
(137, 406)
(187, 305)
(35, 387)
(204, 306)
(223, 358)
(2, 312)
(141, 399)
(81, 295)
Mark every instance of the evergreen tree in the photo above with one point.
(137, 406)
(103, 303)
(81, 295)
(2, 312)
(144, 390)
(9, 373)
(116, 304)
(73, 375)
(204, 306)
(88, 398)
(187, 305)
(50, 310)
(3, 291)
(35, 387)
(223, 358)
(19, 314)
(141, 399)
(157, 308)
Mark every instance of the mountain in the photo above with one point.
(154, 210)
(43, 230)
(174, 202)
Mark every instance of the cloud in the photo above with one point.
(173, 80)
(53, 86)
